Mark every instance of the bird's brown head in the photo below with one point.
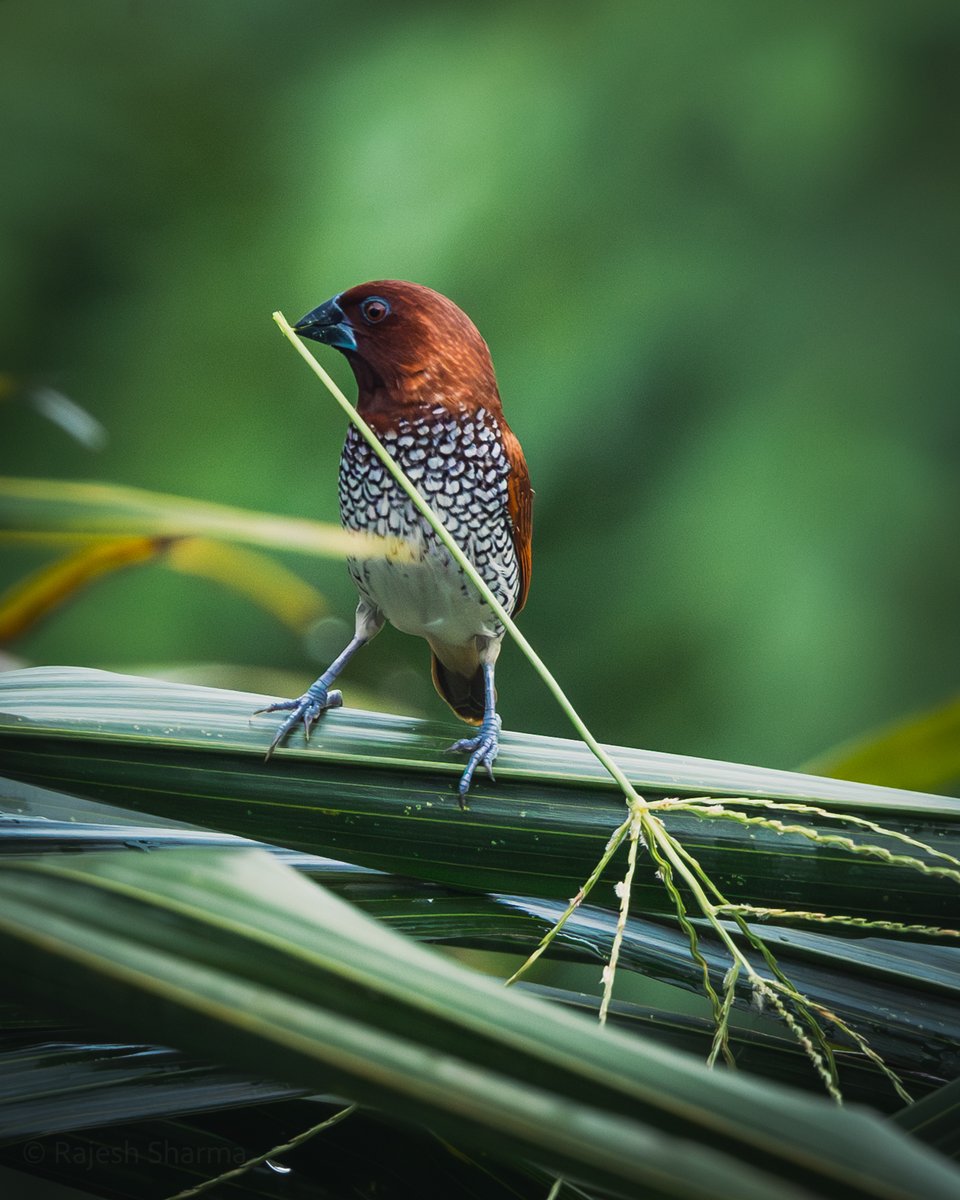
(407, 344)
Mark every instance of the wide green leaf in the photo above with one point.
(54, 1085)
(936, 1119)
(904, 997)
(379, 791)
(229, 953)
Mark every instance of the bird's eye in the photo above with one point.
(374, 310)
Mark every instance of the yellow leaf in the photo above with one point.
(261, 579)
(32, 598)
(252, 574)
(921, 752)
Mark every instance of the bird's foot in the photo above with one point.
(483, 748)
(307, 708)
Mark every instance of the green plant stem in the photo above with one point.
(710, 806)
(641, 819)
(613, 845)
(720, 1039)
(624, 889)
(273, 1152)
(709, 910)
(793, 914)
(633, 797)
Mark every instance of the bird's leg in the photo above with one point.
(485, 747)
(315, 700)
(318, 697)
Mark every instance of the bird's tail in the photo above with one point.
(463, 692)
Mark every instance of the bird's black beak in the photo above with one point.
(328, 324)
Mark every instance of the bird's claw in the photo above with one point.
(307, 708)
(484, 749)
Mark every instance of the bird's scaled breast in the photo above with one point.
(459, 465)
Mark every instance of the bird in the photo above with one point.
(426, 386)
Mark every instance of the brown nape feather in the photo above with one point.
(464, 694)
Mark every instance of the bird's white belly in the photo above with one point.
(429, 599)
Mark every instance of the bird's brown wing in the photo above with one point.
(520, 506)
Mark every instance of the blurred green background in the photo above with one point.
(713, 249)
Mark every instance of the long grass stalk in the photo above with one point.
(464, 563)
(649, 827)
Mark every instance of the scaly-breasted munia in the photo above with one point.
(426, 386)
